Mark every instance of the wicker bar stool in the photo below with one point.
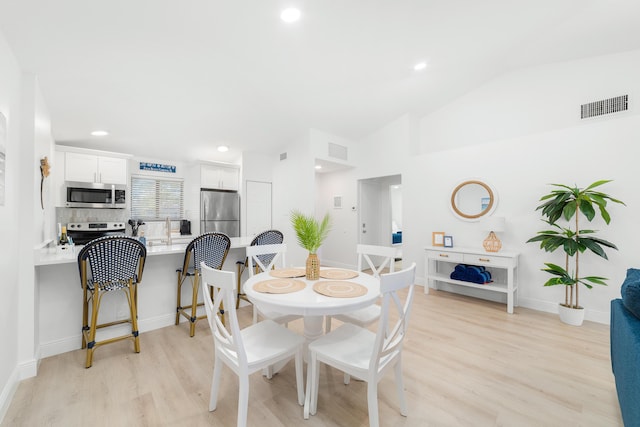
(269, 237)
(212, 248)
(109, 264)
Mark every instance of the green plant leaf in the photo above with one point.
(569, 210)
(572, 202)
(597, 184)
(310, 234)
(587, 209)
(595, 280)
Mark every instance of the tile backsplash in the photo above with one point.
(67, 215)
(151, 228)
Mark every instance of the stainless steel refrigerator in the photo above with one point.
(220, 212)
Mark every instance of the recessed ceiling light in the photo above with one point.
(99, 133)
(290, 14)
(420, 66)
(223, 148)
(318, 166)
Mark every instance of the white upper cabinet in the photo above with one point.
(83, 167)
(220, 177)
(112, 170)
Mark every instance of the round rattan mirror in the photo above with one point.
(472, 199)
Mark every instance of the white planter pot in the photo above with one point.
(571, 316)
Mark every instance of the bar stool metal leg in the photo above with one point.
(178, 298)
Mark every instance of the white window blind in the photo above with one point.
(156, 198)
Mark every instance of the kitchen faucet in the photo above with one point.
(168, 226)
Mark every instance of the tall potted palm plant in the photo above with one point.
(570, 204)
(311, 234)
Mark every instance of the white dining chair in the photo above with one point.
(245, 351)
(258, 261)
(368, 315)
(363, 354)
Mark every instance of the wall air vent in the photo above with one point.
(283, 156)
(606, 106)
(338, 151)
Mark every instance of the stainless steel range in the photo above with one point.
(84, 232)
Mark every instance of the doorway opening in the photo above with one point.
(380, 212)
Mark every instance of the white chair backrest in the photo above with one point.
(388, 253)
(255, 260)
(223, 286)
(389, 340)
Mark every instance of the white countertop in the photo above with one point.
(53, 255)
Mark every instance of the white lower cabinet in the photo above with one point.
(440, 263)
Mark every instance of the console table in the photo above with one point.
(503, 265)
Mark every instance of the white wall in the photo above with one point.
(10, 81)
(339, 249)
(293, 188)
(35, 143)
(22, 220)
(519, 132)
(537, 109)
(530, 101)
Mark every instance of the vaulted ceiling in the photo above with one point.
(175, 79)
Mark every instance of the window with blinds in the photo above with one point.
(156, 198)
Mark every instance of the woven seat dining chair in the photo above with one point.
(265, 258)
(245, 351)
(364, 354)
(212, 249)
(108, 264)
(386, 256)
(268, 237)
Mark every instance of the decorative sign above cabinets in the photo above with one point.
(157, 167)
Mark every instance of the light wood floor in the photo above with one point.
(466, 363)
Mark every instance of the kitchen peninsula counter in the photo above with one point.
(58, 305)
(53, 255)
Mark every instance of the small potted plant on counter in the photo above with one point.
(311, 234)
(569, 204)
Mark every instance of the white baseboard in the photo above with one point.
(8, 391)
(75, 342)
(28, 369)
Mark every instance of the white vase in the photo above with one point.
(571, 316)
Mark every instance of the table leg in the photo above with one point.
(312, 328)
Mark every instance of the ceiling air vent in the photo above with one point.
(606, 106)
(283, 156)
(338, 151)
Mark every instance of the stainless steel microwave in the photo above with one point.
(95, 195)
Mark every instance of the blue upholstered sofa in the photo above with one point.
(625, 348)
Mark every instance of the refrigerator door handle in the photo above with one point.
(204, 208)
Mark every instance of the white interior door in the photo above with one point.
(258, 199)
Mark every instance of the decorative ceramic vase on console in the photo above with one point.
(493, 224)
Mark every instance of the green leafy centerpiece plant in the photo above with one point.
(310, 234)
(569, 204)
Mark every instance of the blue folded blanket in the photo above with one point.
(471, 273)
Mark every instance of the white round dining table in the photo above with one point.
(309, 303)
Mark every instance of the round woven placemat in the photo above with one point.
(287, 273)
(337, 274)
(339, 289)
(279, 286)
